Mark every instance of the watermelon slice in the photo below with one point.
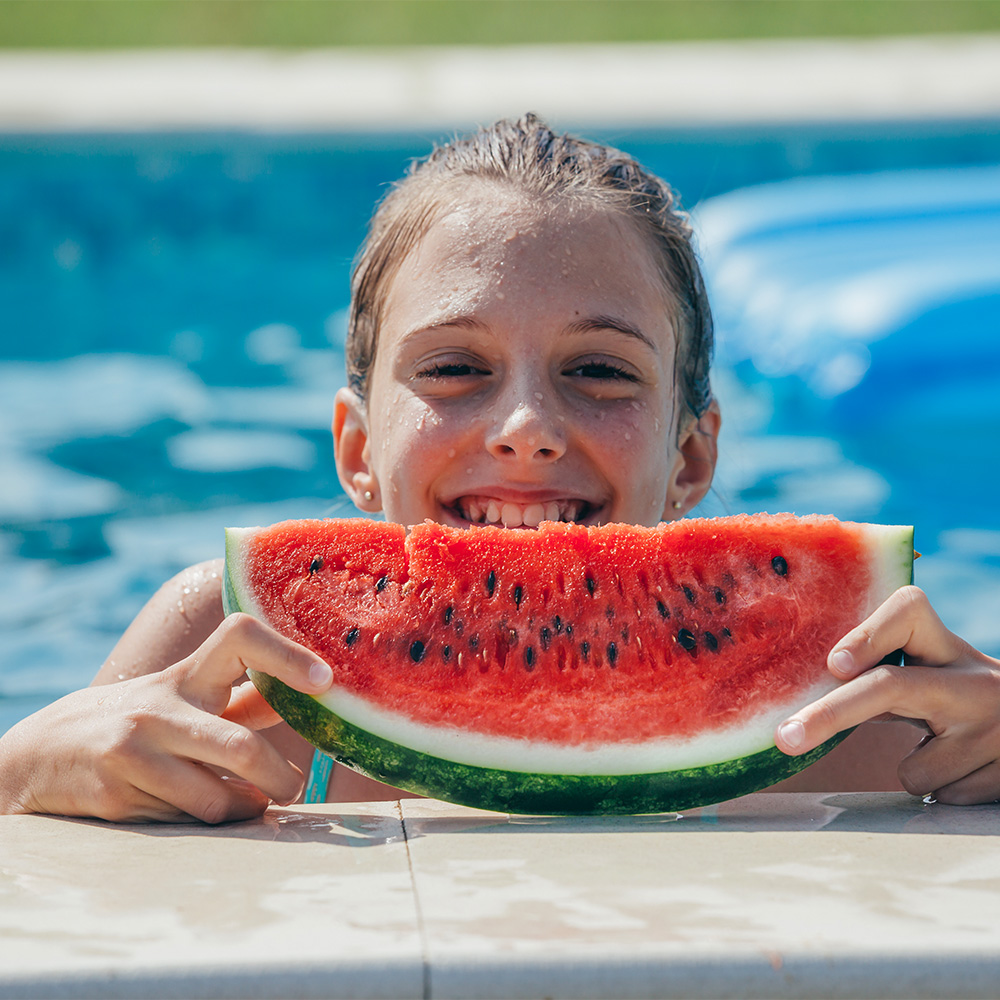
(572, 669)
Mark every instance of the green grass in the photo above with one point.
(90, 24)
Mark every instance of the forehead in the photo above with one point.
(494, 244)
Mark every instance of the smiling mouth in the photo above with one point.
(489, 510)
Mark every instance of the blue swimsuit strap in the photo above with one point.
(319, 778)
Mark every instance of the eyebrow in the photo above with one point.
(589, 324)
(592, 323)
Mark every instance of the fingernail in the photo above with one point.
(792, 733)
(320, 674)
(842, 661)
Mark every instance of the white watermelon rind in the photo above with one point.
(521, 776)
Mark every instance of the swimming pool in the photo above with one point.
(172, 320)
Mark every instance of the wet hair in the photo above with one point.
(530, 158)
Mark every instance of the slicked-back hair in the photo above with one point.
(531, 159)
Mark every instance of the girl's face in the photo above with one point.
(524, 372)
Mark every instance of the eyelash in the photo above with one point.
(593, 370)
(456, 369)
(608, 371)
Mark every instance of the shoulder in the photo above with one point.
(175, 621)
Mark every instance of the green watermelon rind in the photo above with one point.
(523, 792)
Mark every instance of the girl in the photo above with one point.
(529, 339)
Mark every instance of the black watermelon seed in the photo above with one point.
(316, 565)
(711, 642)
(448, 612)
(491, 583)
(610, 611)
(380, 584)
(662, 608)
(352, 636)
(686, 639)
(727, 633)
(688, 593)
(545, 637)
(569, 630)
(612, 653)
(417, 650)
(474, 642)
(779, 565)
(720, 596)
(518, 595)
(591, 584)
(529, 658)
(557, 624)
(585, 649)
(446, 653)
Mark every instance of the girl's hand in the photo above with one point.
(148, 748)
(946, 686)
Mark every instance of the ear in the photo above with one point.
(352, 453)
(694, 467)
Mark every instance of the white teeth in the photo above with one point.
(511, 515)
(481, 510)
(533, 515)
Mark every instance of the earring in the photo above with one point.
(369, 496)
(677, 505)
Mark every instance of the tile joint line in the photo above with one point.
(421, 925)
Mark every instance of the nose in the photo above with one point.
(527, 430)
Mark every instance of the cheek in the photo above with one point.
(407, 435)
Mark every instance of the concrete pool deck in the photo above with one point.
(773, 895)
(693, 83)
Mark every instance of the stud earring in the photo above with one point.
(677, 505)
(369, 496)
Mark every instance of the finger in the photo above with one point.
(241, 644)
(951, 759)
(208, 739)
(910, 692)
(905, 621)
(189, 790)
(983, 785)
(247, 707)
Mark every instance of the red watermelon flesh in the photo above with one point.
(573, 635)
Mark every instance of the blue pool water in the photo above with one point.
(172, 320)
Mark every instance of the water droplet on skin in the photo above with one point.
(539, 396)
(500, 295)
(187, 590)
(452, 453)
(628, 437)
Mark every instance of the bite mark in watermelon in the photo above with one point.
(570, 669)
